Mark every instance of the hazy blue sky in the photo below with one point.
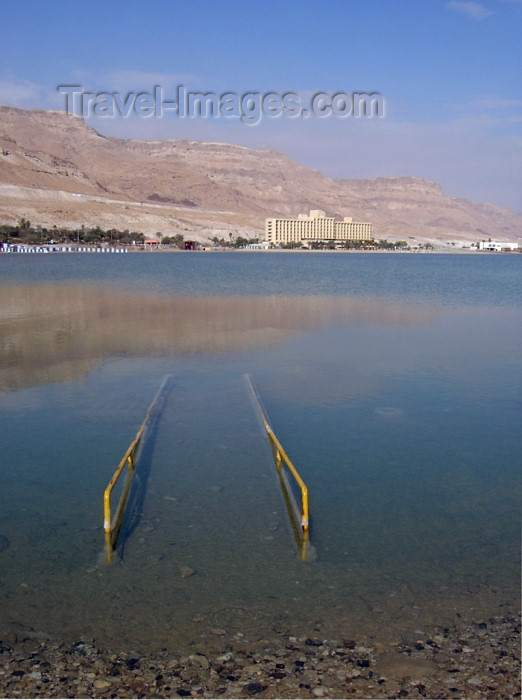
(450, 73)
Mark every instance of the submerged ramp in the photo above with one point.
(210, 550)
(203, 494)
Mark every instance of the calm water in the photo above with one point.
(393, 381)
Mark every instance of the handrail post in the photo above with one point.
(304, 519)
(107, 510)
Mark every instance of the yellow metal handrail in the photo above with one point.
(112, 525)
(281, 456)
(301, 515)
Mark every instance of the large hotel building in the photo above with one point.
(316, 227)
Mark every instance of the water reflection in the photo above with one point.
(399, 416)
(470, 349)
(58, 333)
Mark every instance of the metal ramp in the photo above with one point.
(189, 466)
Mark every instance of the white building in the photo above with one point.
(315, 227)
(497, 246)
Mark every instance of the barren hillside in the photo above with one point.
(54, 169)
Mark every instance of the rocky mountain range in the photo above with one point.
(55, 169)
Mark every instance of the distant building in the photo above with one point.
(264, 245)
(497, 246)
(316, 227)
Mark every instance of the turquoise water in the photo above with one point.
(393, 381)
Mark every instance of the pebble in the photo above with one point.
(200, 660)
(474, 681)
(288, 666)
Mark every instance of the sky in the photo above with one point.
(448, 74)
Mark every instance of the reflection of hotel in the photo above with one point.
(316, 227)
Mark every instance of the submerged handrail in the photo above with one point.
(300, 519)
(111, 525)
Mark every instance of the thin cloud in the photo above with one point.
(17, 92)
(134, 80)
(471, 9)
(491, 111)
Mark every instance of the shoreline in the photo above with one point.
(473, 659)
(41, 250)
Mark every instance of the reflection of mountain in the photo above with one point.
(61, 332)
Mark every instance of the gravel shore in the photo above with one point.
(476, 660)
